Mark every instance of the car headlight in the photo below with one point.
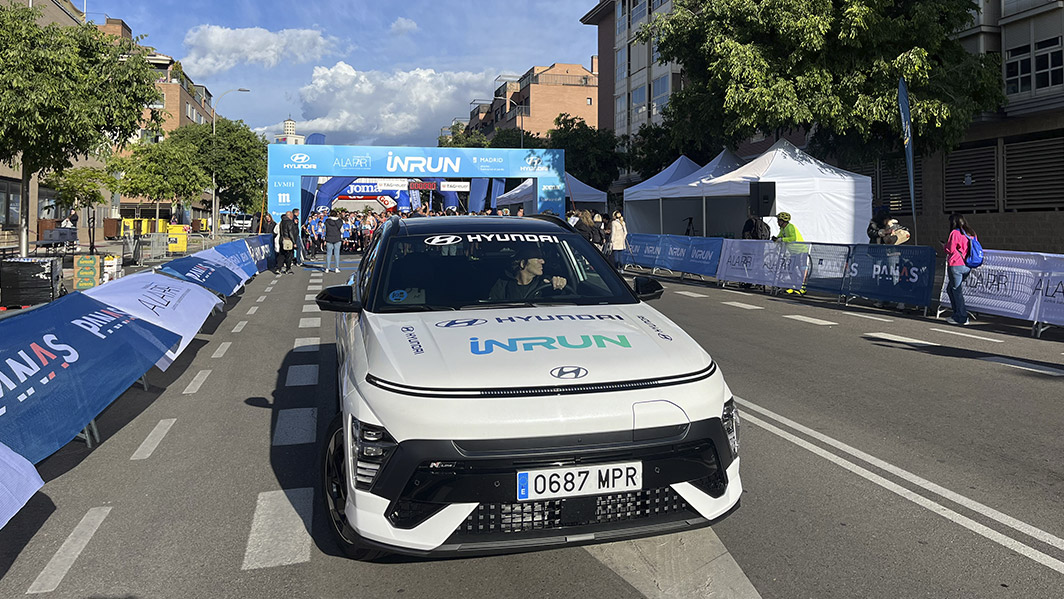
(371, 445)
(730, 419)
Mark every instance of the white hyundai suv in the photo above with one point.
(502, 388)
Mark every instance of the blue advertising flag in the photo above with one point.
(63, 363)
(907, 138)
(498, 186)
(213, 275)
(478, 193)
(239, 254)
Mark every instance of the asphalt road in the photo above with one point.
(880, 458)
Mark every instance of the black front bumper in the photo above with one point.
(422, 477)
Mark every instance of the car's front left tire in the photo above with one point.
(334, 493)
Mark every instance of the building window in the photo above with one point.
(659, 93)
(656, 4)
(10, 197)
(46, 206)
(639, 100)
(160, 103)
(1018, 70)
(589, 102)
(621, 112)
(639, 11)
(655, 55)
(622, 21)
(622, 63)
(1048, 63)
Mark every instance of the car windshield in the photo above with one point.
(467, 271)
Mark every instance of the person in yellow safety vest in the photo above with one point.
(788, 232)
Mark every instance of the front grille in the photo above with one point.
(528, 516)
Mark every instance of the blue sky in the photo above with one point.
(390, 72)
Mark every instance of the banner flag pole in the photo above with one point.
(907, 139)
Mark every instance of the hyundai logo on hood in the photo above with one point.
(300, 158)
(461, 322)
(569, 372)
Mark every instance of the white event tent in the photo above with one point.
(827, 204)
(575, 191)
(678, 201)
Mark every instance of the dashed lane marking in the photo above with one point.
(197, 382)
(153, 439)
(900, 339)
(301, 375)
(807, 319)
(296, 426)
(691, 294)
(735, 292)
(49, 578)
(311, 308)
(252, 310)
(968, 335)
(869, 317)
(307, 344)
(224, 347)
(1021, 365)
(262, 298)
(268, 289)
(313, 287)
(309, 323)
(279, 528)
(240, 326)
(743, 306)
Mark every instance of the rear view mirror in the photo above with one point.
(647, 289)
(340, 298)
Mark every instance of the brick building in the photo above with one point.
(532, 101)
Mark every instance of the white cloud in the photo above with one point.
(386, 108)
(214, 49)
(403, 25)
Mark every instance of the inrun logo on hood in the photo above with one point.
(516, 344)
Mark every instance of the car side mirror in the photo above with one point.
(339, 298)
(647, 289)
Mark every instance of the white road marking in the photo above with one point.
(900, 339)
(691, 294)
(153, 439)
(269, 289)
(920, 500)
(252, 310)
(296, 426)
(310, 297)
(262, 298)
(816, 321)
(224, 347)
(313, 287)
(735, 292)
(1020, 364)
(240, 326)
(301, 375)
(279, 530)
(743, 306)
(309, 323)
(869, 316)
(968, 335)
(49, 578)
(681, 567)
(307, 344)
(311, 308)
(197, 382)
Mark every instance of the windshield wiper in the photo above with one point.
(498, 305)
(423, 308)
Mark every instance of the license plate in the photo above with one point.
(579, 480)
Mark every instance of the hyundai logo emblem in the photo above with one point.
(569, 372)
(533, 161)
(300, 158)
(443, 240)
(461, 322)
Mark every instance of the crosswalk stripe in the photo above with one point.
(313, 287)
(307, 344)
(743, 306)
(296, 426)
(691, 294)
(311, 308)
(809, 320)
(49, 578)
(310, 297)
(309, 323)
(279, 529)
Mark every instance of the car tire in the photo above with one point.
(334, 494)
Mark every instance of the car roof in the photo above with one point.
(479, 224)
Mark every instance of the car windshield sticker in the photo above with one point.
(530, 237)
(397, 296)
(443, 240)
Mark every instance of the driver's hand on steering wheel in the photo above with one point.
(556, 282)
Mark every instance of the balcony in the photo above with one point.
(517, 111)
(1012, 7)
(571, 80)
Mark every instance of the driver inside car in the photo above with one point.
(524, 278)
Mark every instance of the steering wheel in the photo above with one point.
(543, 286)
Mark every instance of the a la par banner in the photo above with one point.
(19, 480)
(1024, 285)
(63, 363)
(760, 262)
(176, 305)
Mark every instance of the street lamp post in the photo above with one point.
(214, 185)
(521, 115)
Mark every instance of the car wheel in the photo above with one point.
(334, 492)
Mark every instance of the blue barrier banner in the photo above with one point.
(828, 264)
(760, 262)
(239, 254)
(672, 252)
(261, 248)
(642, 250)
(692, 255)
(892, 273)
(215, 276)
(19, 480)
(63, 363)
(1050, 290)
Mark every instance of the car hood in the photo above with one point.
(528, 347)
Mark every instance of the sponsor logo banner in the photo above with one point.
(759, 262)
(892, 273)
(454, 186)
(1023, 285)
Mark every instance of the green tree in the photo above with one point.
(591, 155)
(161, 172)
(236, 156)
(655, 147)
(516, 138)
(460, 139)
(831, 68)
(80, 187)
(66, 92)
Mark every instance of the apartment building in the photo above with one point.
(532, 101)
